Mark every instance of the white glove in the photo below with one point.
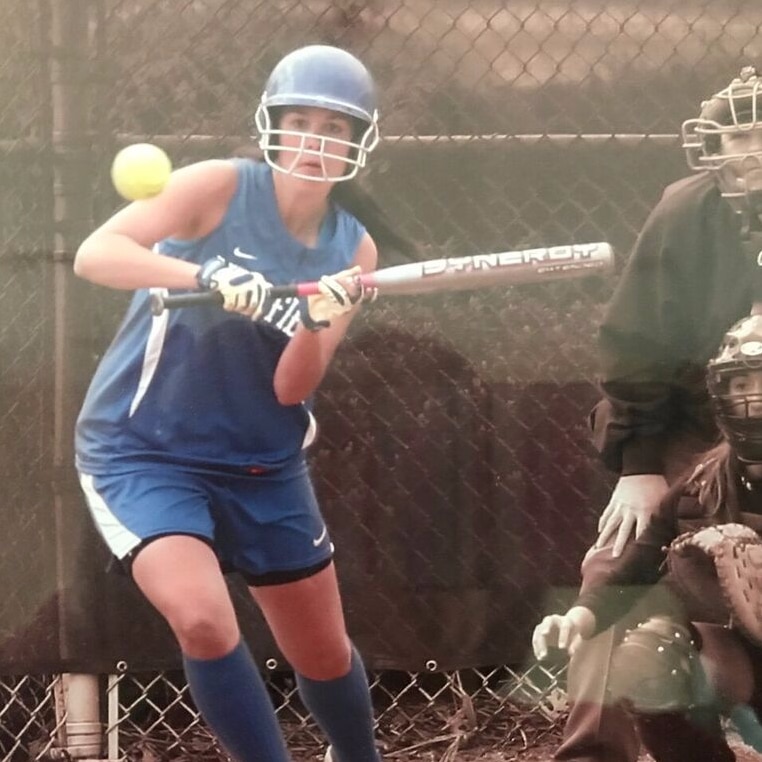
(242, 290)
(633, 501)
(563, 631)
(339, 293)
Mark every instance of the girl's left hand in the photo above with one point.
(339, 293)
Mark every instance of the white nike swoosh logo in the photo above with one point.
(322, 537)
(242, 254)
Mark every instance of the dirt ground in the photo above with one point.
(528, 745)
(515, 736)
(532, 743)
(541, 752)
(544, 753)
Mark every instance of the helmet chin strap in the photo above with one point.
(750, 221)
(752, 474)
(752, 463)
(748, 209)
(740, 183)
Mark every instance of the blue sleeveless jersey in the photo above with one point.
(194, 386)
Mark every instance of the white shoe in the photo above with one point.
(328, 756)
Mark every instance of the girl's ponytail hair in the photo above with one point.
(716, 483)
(393, 247)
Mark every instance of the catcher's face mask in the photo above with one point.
(726, 139)
(734, 381)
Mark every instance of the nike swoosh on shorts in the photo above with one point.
(318, 540)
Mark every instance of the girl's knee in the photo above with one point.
(202, 633)
(330, 662)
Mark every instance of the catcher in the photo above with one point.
(700, 655)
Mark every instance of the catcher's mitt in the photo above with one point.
(718, 571)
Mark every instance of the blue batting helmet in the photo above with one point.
(326, 77)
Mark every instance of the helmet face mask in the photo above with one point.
(726, 139)
(734, 382)
(323, 77)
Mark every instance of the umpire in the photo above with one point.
(692, 274)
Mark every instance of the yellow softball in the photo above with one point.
(140, 171)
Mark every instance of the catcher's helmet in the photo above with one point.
(325, 77)
(734, 110)
(738, 406)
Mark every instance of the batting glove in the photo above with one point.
(339, 293)
(242, 290)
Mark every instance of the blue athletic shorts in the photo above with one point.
(268, 527)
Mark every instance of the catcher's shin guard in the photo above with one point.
(656, 667)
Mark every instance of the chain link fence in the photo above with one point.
(454, 465)
(150, 716)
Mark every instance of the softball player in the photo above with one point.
(676, 698)
(691, 275)
(191, 440)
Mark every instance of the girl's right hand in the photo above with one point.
(564, 632)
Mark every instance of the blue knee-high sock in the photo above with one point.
(343, 710)
(232, 698)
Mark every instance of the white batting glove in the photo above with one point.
(339, 293)
(242, 290)
(563, 631)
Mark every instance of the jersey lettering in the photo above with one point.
(284, 315)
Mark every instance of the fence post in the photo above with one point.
(81, 734)
(72, 183)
